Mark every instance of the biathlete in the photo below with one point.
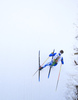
(55, 60)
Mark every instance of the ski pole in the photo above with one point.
(58, 76)
(47, 58)
(44, 61)
(41, 66)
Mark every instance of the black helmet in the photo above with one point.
(61, 51)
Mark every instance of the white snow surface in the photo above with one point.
(27, 26)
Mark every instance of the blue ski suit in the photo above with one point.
(55, 56)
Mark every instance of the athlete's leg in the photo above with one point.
(48, 64)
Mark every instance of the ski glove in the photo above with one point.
(52, 54)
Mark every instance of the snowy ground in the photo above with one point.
(25, 28)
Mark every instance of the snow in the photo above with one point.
(27, 27)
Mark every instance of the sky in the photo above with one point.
(27, 26)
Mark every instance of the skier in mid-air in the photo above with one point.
(56, 57)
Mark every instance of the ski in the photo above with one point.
(49, 72)
(39, 67)
(51, 65)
